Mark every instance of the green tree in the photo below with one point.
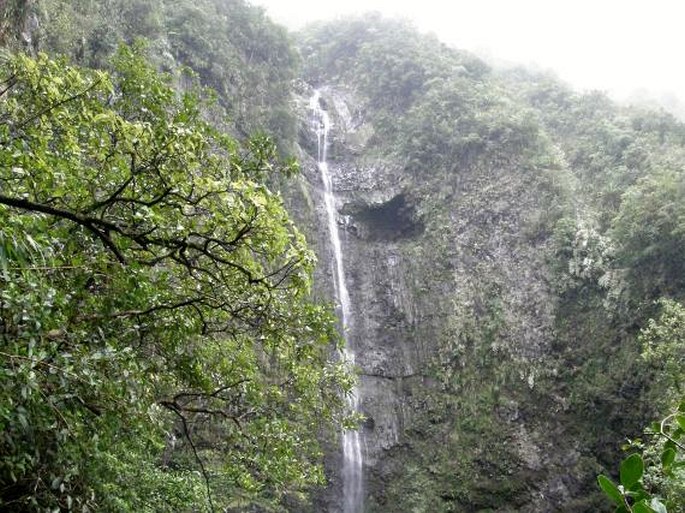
(158, 347)
(649, 231)
(18, 24)
(232, 46)
(652, 480)
(663, 342)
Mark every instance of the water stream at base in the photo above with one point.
(353, 499)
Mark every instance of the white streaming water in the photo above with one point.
(353, 499)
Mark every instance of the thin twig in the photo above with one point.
(58, 104)
(662, 429)
(176, 409)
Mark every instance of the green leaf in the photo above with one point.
(637, 493)
(641, 507)
(610, 489)
(680, 419)
(668, 457)
(631, 470)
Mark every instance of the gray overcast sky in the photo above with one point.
(610, 45)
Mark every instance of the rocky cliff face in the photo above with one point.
(452, 312)
(19, 25)
(496, 331)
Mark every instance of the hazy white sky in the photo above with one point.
(610, 45)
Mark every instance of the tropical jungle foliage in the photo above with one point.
(159, 351)
(233, 47)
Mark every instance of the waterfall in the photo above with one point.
(352, 452)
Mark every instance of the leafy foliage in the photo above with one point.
(388, 62)
(158, 349)
(231, 45)
(650, 228)
(661, 461)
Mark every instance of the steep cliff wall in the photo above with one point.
(451, 312)
(475, 210)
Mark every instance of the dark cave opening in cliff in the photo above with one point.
(395, 219)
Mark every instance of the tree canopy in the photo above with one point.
(158, 347)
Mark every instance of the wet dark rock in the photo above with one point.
(388, 221)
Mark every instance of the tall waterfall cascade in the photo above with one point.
(353, 498)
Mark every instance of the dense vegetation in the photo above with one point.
(159, 348)
(232, 47)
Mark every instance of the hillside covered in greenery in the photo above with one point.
(515, 254)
